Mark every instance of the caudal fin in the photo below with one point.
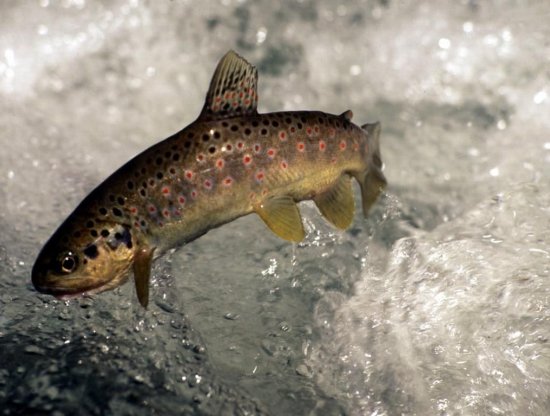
(372, 181)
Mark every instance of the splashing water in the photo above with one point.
(437, 304)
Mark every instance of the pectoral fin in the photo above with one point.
(337, 204)
(282, 216)
(142, 273)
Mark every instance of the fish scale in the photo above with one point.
(232, 161)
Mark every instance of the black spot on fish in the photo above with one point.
(225, 123)
(167, 155)
(247, 132)
(103, 211)
(275, 123)
(120, 200)
(130, 185)
(91, 251)
(205, 137)
(93, 233)
(234, 127)
(105, 233)
(265, 122)
(263, 132)
(190, 134)
(176, 157)
(117, 212)
(142, 192)
(77, 234)
(187, 144)
(217, 135)
(143, 171)
(212, 149)
(288, 120)
(158, 161)
(89, 224)
(160, 175)
(255, 123)
(112, 198)
(299, 125)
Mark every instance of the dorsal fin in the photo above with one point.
(233, 89)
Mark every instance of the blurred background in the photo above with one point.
(438, 303)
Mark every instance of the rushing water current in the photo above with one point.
(437, 304)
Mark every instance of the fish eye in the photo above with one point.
(68, 262)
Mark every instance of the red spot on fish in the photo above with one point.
(282, 136)
(181, 200)
(240, 145)
(247, 160)
(194, 194)
(220, 163)
(309, 131)
(228, 148)
(271, 153)
(166, 213)
(235, 104)
(247, 102)
(284, 164)
(333, 160)
(241, 95)
(300, 146)
(189, 174)
(151, 182)
(166, 190)
(322, 145)
(260, 175)
(293, 129)
(218, 99)
(208, 184)
(136, 224)
(342, 145)
(227, 95)
(152, 209)
(200, 157)
(177, 212)
(133, 210)
(331, 132)
(257, 148)
(316, 129)
(228, 181)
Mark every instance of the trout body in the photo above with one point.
(230, 162)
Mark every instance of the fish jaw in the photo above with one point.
(96, 264)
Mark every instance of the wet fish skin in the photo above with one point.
(232, 161)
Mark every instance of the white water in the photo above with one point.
(436, 304)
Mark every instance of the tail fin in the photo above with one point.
(372, 181)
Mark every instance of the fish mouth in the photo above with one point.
(66, 293)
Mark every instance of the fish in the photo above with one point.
(230, 162)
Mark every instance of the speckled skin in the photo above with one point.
(211, 173)
(230, 162)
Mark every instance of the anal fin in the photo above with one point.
(337, 204)
(142, 273)
(282, 216)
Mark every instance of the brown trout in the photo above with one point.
(230, 162)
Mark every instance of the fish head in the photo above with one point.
(84, 259)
